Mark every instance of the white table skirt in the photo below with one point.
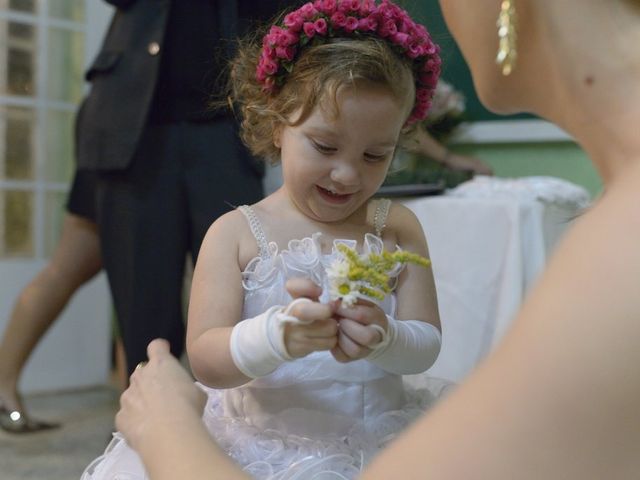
(487, 249)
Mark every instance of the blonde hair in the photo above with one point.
(317, 75)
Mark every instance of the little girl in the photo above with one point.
(302, 384)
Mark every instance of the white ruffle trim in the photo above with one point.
(264, 277)
(274, 455)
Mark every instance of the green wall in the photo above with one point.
(558, 159)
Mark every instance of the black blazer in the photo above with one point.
(123, 75)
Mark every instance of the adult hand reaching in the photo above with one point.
(161, 418)
(161, 396)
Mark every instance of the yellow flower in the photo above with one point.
(352, 276)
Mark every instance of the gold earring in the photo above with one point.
(507, 49)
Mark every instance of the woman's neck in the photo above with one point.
(593, 79)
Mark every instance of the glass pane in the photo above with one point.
(53, 215)
(16, 217)
(59, 152)
(18, 68)
(67, 9)
(28, 6)
(66, 56)
(17, 143)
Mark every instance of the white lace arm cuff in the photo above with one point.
(257, 344)
(407, 347)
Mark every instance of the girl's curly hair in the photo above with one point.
(319, 72)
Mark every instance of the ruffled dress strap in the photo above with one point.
(256, 229)
(380, 215)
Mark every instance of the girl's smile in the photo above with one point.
(332, 164)
(334, 197)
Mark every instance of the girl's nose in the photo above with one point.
(345, 174)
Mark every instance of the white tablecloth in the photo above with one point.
(488, 241)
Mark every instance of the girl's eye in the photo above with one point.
(375, 157)
(323, 148)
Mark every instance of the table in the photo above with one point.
(488, 242)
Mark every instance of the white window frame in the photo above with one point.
(510, 131)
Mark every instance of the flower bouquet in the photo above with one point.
(353, 276)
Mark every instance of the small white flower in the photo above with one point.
(350, 298)
(340, 287)
(339, 269)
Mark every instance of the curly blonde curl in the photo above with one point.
(318, 74)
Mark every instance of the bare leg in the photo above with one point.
(76, 260)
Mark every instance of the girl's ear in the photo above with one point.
(277, 134)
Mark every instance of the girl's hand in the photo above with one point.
(318, 329)
(161, 397)
(356, 335)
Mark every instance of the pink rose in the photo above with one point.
(260, 73)
(328, 7)
(343, 6)
(275, 30)
(430, 49)
(367, 24)
(420, 30)
(400, 38)
(294, 21)
(338, 19)
(423, 94)
(269, 66)
(351, 5)
(269, 40)
(321, 26)
(432, 64)
(288, 38)
(308, 11)
(366, 7)
(390, 27)
(309, 29)
(429, 79)
(351, 24)
(414, 50)
(286, 52)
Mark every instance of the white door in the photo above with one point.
(45, 46)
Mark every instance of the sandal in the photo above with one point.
(15, 421)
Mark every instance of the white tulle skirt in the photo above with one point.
(274, 455)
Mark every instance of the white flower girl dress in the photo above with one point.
(313, 418)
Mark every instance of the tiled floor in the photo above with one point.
(62, 454)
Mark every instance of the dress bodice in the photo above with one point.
(264, 278)
(312, 417)
(314, 393)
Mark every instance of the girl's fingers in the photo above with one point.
(310, 312)
(351, 349)
(303, 288)
(317, 330)
(363, 335)
(339, 355)
(363, 313)
(322, 329)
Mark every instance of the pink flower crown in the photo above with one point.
(323, 19)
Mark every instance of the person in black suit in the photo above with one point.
(167, 165)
